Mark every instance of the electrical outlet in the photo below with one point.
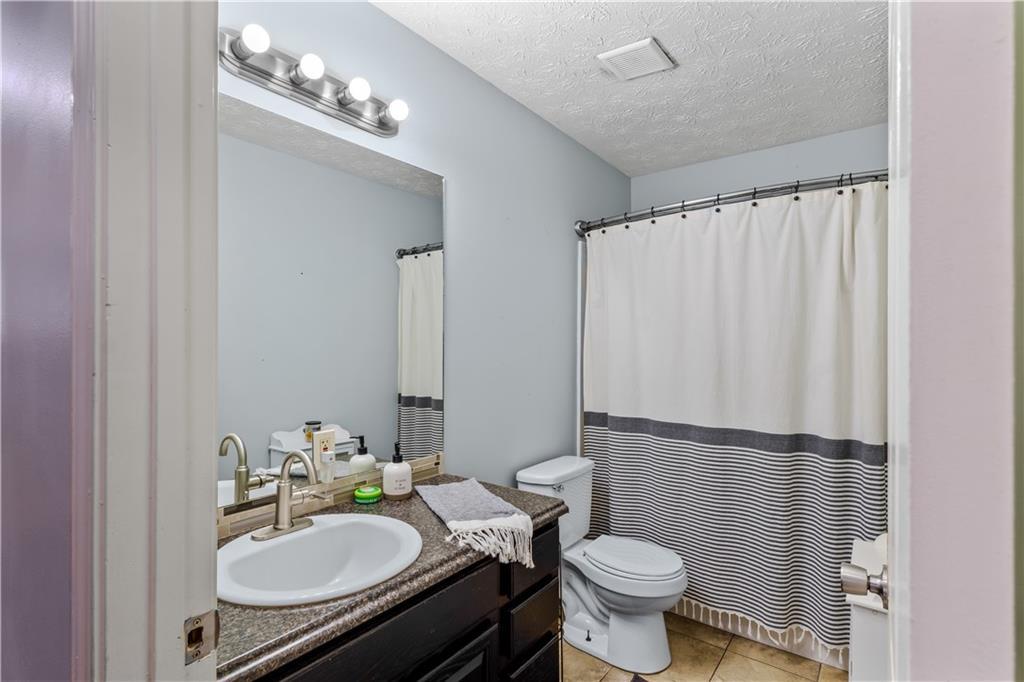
(323, 455)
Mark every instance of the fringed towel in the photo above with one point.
(481, 520)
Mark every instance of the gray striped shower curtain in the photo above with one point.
(420, 353)
(735, 402)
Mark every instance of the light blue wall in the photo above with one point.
(514, 187)
(854, 150)
(293, 237)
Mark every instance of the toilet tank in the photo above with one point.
(569, 478)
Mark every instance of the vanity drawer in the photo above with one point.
(542, 666)
(476, 661)
(517, 579)
(531, 620)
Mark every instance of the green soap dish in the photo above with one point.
(368, 494)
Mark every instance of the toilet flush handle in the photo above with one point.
(856, 580)
(558, 487)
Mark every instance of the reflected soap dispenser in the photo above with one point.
(397, 478)
(362, 461)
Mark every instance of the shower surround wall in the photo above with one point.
(853, 150)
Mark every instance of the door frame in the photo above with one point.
(898, 324)
(156, 333)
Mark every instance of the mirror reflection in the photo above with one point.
(330, 304)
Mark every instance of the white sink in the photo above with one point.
(338, 555)
(226, 492)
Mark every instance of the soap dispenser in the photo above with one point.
(397, 478)
(362, 461)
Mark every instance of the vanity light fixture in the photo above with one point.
(254, 39)
(309, 68)
(248, 55)
(358, 90)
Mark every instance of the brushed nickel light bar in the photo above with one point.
(248, 54)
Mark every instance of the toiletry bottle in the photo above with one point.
(397, 478)
(362, 461)
(311, 426)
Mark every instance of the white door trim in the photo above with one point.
(898, 311)
(156, 241)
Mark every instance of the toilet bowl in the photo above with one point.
(615, 590)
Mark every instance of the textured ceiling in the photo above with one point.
(749, 75)
(253, 124)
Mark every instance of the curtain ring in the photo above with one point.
(717, 199)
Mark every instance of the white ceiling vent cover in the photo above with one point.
(637, 59)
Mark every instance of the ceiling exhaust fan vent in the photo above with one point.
(637, 59)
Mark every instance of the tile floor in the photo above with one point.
(704, 654)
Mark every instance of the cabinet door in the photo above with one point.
(477, 661)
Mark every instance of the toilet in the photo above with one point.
(615, 590)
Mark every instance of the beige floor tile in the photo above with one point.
(798, 665)
(692, 628)
(830, 674)
(736, 668)
(616, 675)
(578, 666)
(692, 660)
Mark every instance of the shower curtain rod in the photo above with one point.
(413, 250)
(837, 181)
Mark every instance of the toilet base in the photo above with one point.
(638, 642)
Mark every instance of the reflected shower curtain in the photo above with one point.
(420, 353)
(735, 402)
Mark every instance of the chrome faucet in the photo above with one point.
(283, 523)
(243, 482)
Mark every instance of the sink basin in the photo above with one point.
(338, 555)
(226, 492)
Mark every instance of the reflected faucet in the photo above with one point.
(283, 523)
(243, 482)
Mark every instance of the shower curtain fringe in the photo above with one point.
(795, 639)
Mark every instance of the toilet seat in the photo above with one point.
(625, 582)
(633, 559)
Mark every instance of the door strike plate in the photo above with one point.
(200, 636)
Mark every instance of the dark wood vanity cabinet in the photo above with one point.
(490, 622)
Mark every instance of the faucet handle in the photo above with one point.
(304, 494)
(259, 480)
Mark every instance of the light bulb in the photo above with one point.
(310, 67)
(397, 111)
(253, 40)
(357, 90)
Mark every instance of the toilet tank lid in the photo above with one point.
(554, 471)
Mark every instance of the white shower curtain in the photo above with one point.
(420, 353)
(735, 402)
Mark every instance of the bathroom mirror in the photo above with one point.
(330, 309)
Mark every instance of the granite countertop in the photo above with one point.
(255, 640)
